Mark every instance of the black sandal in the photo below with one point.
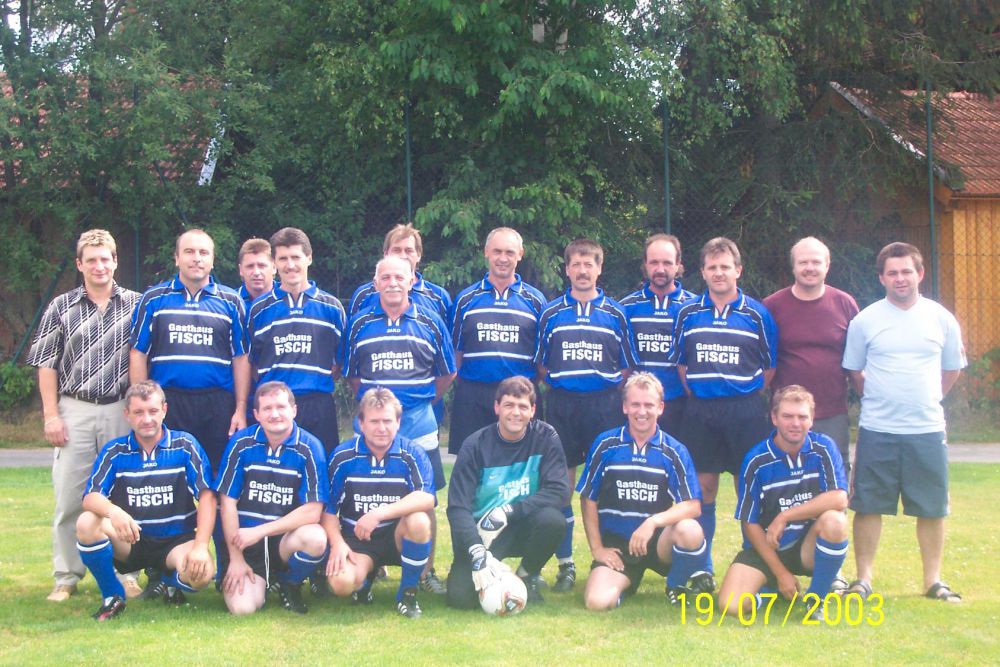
(941, 591)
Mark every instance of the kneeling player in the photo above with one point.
(640, 499)
(792, 497)
(272, 490)
(139, 506)
(381, 490)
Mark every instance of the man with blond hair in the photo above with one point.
(81, 350)
(257, 270)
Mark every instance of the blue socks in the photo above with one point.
(172, 579)
(99, 559)
(829, 557)
(707, 522)
(685, 563)
(413, 556)
(564, 553)
(300, 565)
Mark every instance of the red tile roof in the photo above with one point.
(966, 135)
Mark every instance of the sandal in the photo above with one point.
(861, 588)
(941, 591)
(839, 585)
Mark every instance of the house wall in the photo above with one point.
(970, 269)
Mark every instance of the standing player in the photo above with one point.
(584, 352)
(404, 241)
(139, 506)
(791, 501)
(272, 490)
(400, 345)
(494, 326)
(188, 335)
(725, 346)
(256, 270)
(639, 497)
(81, 352)
(506, 489)
(381, 490)
(295, 333)
(812, 319)
(651, 313)
(904, 354)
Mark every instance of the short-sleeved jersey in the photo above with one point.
(296, 339)
(424, 293)
(771, 481)
(360, 482)
(584, 346)
(902, 353)
(726, 352)
(651, 319)
(630, 484)
(404, 355)
(496, 332)
(159, 489)
(190, 339)
(268, 483)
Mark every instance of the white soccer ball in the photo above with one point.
(505, 596)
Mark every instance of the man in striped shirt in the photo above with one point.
(81, 352)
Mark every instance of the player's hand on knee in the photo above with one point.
(493, 523)
(197, 563)
(126, 528)
(237, 575)
(640, 538)
(338, 560)
(788, 585)
(610, 557)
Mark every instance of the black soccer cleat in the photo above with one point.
(702, 582)
(364, 594)
(172, 595)
(534, 585)
(291, 597)
(566, 578)
(674, 594)
(114, 608)
(408, 606)
(154, 590)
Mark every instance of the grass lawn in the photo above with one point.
(644, 629)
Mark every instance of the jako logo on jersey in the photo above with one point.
(148, 464)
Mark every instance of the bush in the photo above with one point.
(17, 385)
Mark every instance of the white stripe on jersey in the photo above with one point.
(190, 357)
(192, 312)
(659, 364)
(610, 376)
(510, 355)
(150, 473)
(725, 376)
(256, 515)
(630, 467)
(297, 320)
(383, 383)
(299, 367)
(373, 480)
(277, 471)
(583, 327)
(503, 311)
(176, 517)
(789, 482)
(416, 339)
(653, 320)
(608, 510)
(714, 330)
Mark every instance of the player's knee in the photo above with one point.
(833, 526)
(549, 519)
(312, 539)
(417, 527)
(343, 583)
(198, 583)
(243, 605)
(688, 534)
(88, 528)
(601, 598)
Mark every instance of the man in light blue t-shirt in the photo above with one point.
(903, 354)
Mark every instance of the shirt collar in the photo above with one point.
(411, 310)
(293, 438)
(674, 295)
(596, 300)
(309, 291)
(514, 286)
(361, 447)
(211, 288)
(164, 441)
(736, 304)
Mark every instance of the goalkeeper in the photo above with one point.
(505, 497)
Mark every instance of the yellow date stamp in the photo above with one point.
(749, 609)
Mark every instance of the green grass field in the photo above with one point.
(645, 629)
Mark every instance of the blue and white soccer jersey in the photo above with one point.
(405, 356)
(268, 483)
(496, 332)
(360, 483)
(190, 339)
(726, 352)
(630, 484)
(585, 346)
(296, 340)
(651, 319)
(771, 481)
(158, 490)
(424, 293)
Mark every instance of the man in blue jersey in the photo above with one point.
(584, 353)
(295, 333)
(272, 489)
(403, 346)
(256, 270)
(725, 348)
(139, 506)
(188, 335)
(651, 313)
(792, 497)
(381, 490)
(404, 241)
(494, 326)
(504, 500)
(639, 497)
